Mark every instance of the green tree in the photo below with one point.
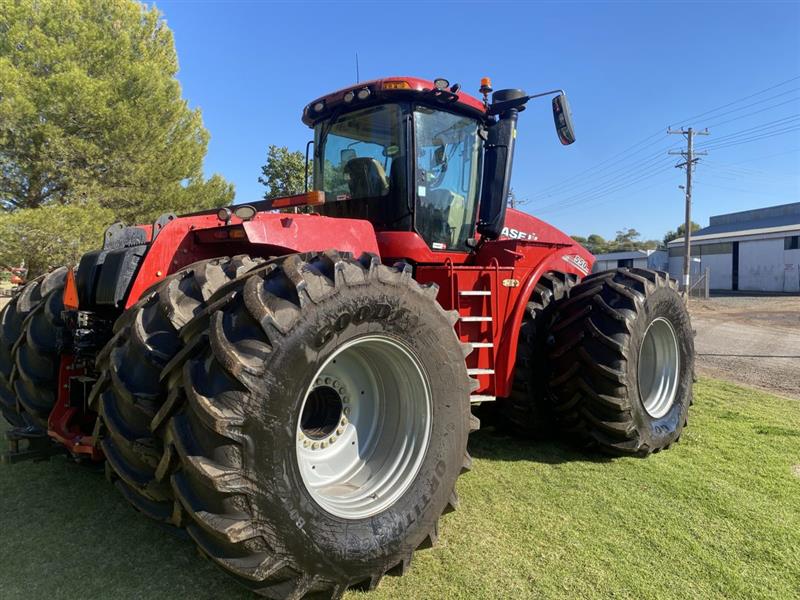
(626, 240)
(50, 236)
(681, 232)
(284, 172)
(91, 110)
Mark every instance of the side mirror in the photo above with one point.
(562, 115)
(346, 155)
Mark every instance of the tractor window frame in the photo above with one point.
(463, 247)
(375, 209)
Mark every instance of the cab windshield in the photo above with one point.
(361, 162)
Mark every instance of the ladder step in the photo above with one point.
(474, 293)
(480, 371)
(478, 398)
(474, 319)
(482, 344)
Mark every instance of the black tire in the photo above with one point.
(596, 347)
(233, 439)
(11, 320)
(34, 317)
(528, 412)
(129, 392)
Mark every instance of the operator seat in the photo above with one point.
(447, 213)
(366, 178)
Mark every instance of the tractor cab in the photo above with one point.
(410, 155)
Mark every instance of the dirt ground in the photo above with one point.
(753, 340)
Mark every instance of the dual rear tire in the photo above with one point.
(271, 418)
(609, 361)
(31, 331)
(622, 361)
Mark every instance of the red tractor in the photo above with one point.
(294, 388)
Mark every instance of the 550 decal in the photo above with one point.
(578, 261)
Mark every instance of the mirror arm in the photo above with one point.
(498, 108)
(544, 94)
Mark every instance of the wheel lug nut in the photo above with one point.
(314, 446)
(347, 411)
(305, 444)
(333, 438)
(340, 431)
(324, 444)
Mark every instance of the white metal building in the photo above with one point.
(645, 259)
(754, 250)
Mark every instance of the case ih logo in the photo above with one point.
(578, 261)
(516, 234)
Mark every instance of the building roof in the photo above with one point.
(625, 255)
(773, 219)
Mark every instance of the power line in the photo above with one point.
(757, 102)
(610, 188)
(745, 133)
(753, 95)
(612, 175)
(569, 183)
(755, 112)
(647, 167)
(792, 151)
(603, 198)
(752, 139)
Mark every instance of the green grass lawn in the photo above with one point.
(716, 516)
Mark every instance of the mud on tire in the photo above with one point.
(231, 444)
(528, 411)
(612, 342)
(30, 334)
(129, 392)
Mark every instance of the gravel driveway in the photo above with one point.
(754, 340)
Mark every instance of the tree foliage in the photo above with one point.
(50, 236)
(91, 111)
(284, 172)
(626, 240)
(681, 232)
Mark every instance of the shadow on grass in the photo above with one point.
(67, 533)
(490, 444)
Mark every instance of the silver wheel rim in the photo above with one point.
(364, 427)
(659, 366)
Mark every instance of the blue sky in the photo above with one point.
(630, 69)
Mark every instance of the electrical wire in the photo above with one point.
(755, 138)
(568, 183)
(609, 181)
(599, 180)
(621, 183)
(755, 112)
(753, 95)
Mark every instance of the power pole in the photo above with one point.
(690, 159)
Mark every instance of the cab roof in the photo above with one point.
(387, 89)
